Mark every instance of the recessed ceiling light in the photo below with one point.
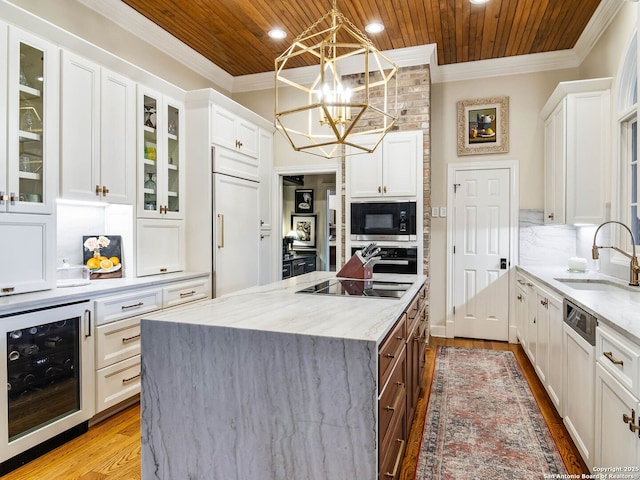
(478, 2)
(277, 34)
(374, 28)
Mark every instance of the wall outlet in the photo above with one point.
(443, 212)
(434, 212)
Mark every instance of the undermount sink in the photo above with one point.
(596, 285)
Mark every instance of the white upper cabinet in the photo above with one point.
(389, 171)
(232, 131)
(577, 138)
(98, 133)
(29, 170)
(161, 157)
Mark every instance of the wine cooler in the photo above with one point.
(48, 368)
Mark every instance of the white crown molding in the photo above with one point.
(534, 62)
(137, 24)
(402, 57)
(126, 17)
(596, 26)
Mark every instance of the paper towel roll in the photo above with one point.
(577, 264)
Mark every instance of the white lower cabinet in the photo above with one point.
(118, 363)
(117, 383)
(617, 401)
(579, 361)
(617, 444)
(185, 292)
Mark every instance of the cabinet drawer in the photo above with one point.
(392, 452)
(115, 308)
(391, 350)
(392, 400)
(619, 357)
(412, 313)
(117, 382)
(117, 341)
(185, 292)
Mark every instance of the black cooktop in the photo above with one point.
(358, 288)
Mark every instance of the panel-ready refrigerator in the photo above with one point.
(235, 223)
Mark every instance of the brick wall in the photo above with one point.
(414, 111)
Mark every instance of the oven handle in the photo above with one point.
(393, 262)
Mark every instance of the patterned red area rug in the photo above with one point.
(483, 422)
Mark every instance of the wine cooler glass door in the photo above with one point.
(46, 353)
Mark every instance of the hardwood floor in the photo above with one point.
(111, 449)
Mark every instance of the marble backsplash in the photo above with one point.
(553, 245)
(548, 245)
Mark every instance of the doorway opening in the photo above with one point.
(308, 207)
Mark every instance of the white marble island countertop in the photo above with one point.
(618, 308)
(278, 308)
(266, 383)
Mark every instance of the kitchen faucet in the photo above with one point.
(634, 269)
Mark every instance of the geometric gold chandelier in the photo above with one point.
(321, 112)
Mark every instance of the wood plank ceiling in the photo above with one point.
(233, 33)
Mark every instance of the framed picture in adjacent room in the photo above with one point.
(483, 126)
(305, 228)
(304, 201)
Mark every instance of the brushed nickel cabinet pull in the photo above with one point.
(130, 339)
(131, 379)
(188, 294)
(139, 304)
(612, 359)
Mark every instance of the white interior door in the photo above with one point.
(481, 254)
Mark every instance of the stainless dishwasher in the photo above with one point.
(582, 322)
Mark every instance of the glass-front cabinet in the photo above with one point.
(32, 127)
(161, 156)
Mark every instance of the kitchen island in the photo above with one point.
(267, 383)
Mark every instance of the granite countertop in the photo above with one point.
(277, 307)
(58, 295)
(619, 308)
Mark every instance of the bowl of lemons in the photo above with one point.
(104, 264)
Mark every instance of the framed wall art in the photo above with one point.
(305, 228)
(483, 126)
(304, 201)
(103, 255)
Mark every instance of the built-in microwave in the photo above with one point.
(379, 221)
